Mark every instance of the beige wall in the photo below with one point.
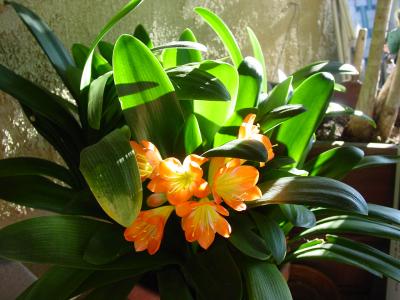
(292, 33)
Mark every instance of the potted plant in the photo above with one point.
(182, 175)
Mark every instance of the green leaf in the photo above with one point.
(142, 35)
(100, 65)
(336, 109)
(272, 234)
(333, 67)
(17, 166)
(250, 80)
(369, 161)
(352, 224)
(116, 291)
(95, 102)
(246, 240)
(258, 54)
(387, 214)
(314, 94)
(264, 281)
(215, 274)
(106, 245)
(244, 149)
(106, 50)
(276, 98)
(298, 215)
(192, 135)
(223, 32)
(192, 83)
(312, 191)
(335, 163)
(111, 171)
(41, 193)
(87, 70)
(57, 283)
(62, 240)
(279, 115)
(172, 57)
(41, 102)
(347, 251)
(49, 42)
(339, 88)
(211, 114)
(181, 45)
(172, 285)
(146, 94)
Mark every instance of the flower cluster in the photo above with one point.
(180, 187)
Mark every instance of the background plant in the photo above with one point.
(183, 104)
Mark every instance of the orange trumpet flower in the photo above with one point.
(147, 157)
(148, 229)
(179, 181)
(235, 184)
(202, 219)
(250, 131)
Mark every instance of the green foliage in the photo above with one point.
(171, 96)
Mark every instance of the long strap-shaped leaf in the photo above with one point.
(258, 54)
(146, 94)
(48, 41)
(87, 70)
(313, 191)
(112, 174)
(17, 166)
(40, 101)
(62, 240)
(223, 32)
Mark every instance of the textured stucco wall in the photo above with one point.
(292, 34)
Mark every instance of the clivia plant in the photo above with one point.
(182, 174)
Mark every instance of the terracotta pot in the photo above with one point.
(141, 293)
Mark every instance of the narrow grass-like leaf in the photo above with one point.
(95, 102)
(244, 149)
(17, 166)
(182, 45)
(334, 163)
(87, 70)
(264, 281)
(312, 191)
(336, 109)
(146, 93)
(279, 115)
(258, 54)
(333, 67)
(112, 174)
(49, 42)
(223, 32)
(314, 94)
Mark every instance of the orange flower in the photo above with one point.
(147, 157)
(180, 181)
(148, 229)
(202, 219)
(156, 200)
(235, 184)
(250, 131)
